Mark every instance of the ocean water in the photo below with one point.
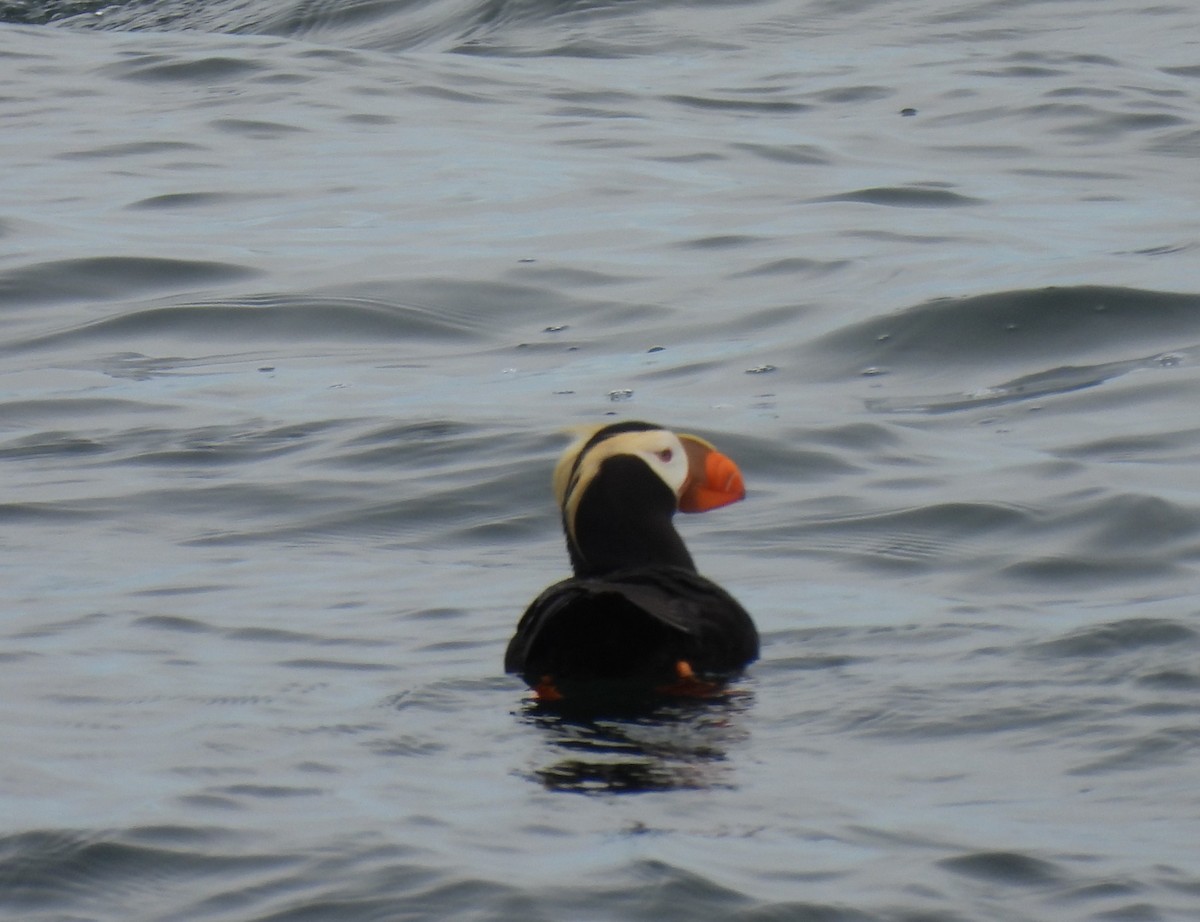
(296, 298)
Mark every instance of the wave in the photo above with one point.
(46, 869)
(391, 25)
(1110, 332)
(1012, 329)
(421, 310)
(111, 278)
(478, 27)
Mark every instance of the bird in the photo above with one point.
(636, 615)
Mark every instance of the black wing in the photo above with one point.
(632, 623)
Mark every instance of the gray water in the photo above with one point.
(295, 301)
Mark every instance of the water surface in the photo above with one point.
(295, 299)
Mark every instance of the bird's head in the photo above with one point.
(618, 480)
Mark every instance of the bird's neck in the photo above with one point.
(625, 520)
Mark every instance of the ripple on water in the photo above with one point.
(906, 197)
(111, 278)
(45, 870)
(1009, 868)
(1117, 637)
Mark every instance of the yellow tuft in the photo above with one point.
(581, 434)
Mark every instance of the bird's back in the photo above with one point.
(630, 624)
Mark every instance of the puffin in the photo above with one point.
(636, 616)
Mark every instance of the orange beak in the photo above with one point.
(713, 479)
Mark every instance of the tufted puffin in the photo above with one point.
(636, 615)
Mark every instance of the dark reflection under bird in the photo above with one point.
(681, 744)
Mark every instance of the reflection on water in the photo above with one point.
(638, 746)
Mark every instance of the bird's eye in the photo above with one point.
(665, 455)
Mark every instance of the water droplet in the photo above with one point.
(760, 370)
(621, 393)
(555, 328)
(873, 372)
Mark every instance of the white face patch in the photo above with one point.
(665, 455)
